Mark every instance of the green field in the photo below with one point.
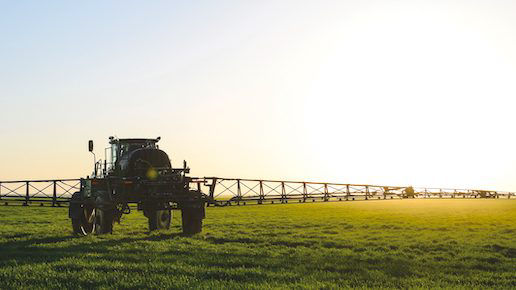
(392, 243)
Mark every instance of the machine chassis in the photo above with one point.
(105, 197)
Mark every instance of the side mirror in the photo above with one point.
(90, 145)
(184, 164)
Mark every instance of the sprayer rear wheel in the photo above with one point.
(159, 219)
(103, 222)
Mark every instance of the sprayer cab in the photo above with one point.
(123, 147)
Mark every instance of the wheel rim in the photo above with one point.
(164, 218)
(86, 225)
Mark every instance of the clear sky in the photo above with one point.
(386, 92)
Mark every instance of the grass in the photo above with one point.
(361, 244)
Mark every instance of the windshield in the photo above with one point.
(128, 147)
(124, 148)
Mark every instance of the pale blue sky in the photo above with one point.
(396, 92)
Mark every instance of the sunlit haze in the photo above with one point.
(380, 92)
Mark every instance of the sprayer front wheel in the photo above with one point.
(192, 220)
(84, 224)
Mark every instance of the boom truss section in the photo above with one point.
(235, 191)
